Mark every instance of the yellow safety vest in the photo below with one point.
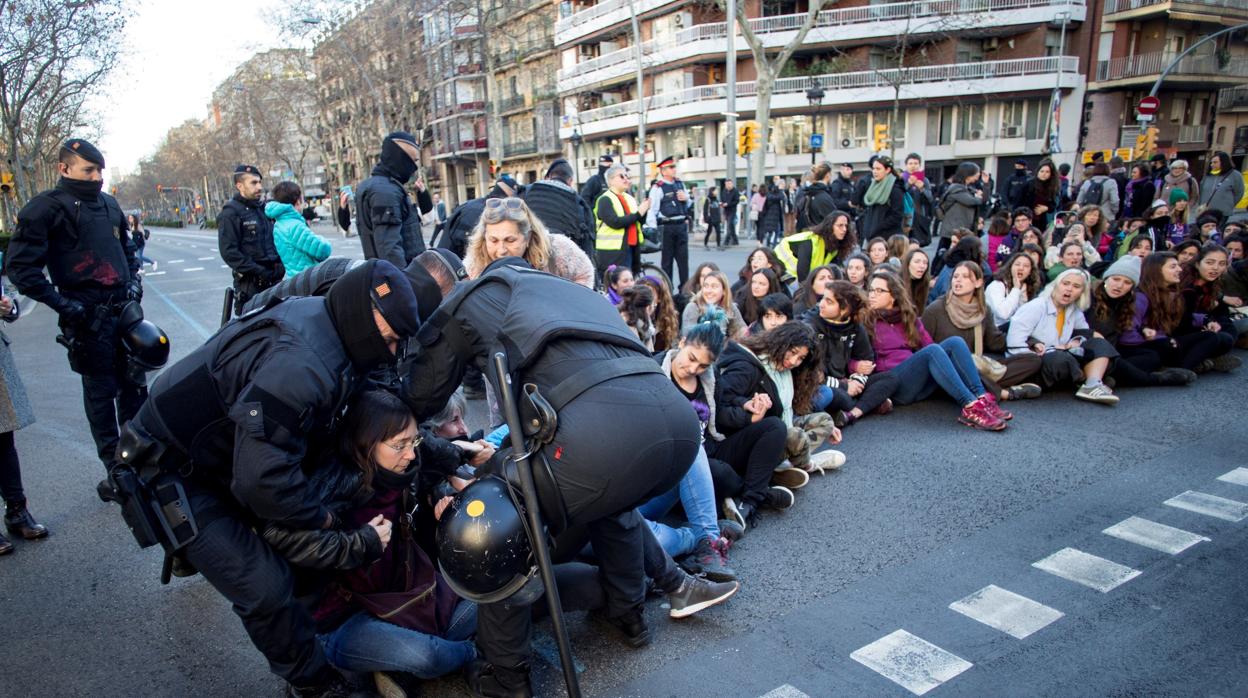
(819, 256)
(613, 238)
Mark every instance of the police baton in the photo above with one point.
(507, 401)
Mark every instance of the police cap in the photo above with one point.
(392, 294)
(247, 169)
(83, 149)
(668, 161)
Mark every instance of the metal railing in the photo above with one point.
(1232, 97)
(603, 8)
(1153, 63)
(1195, 133)
(512, 102)
(519, 147)
(1112, 6)
(982, 70)
(935, 10)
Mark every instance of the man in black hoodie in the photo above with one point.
(267, 386)
(557, 205)
(596, 184)
(388, 227)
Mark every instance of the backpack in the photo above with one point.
(907, 206)
(1096, 188)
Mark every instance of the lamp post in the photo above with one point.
(815, 96)
(577, 139)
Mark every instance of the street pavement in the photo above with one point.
(939, 559)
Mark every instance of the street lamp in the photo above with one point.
(815, 96)
(577, 139)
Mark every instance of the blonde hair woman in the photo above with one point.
(713, 303)
(507, 228)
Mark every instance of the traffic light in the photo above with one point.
(749, 137)
(1150, 143)
(493, 167)
(6, 182)
(881, 138)
(159, 189)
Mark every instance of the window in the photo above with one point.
(1053, 42)
(939, 125)
(855, 130)
(681, 141)
(969, 51)
(790, 135)
(1013, 118)
(971, 122)
(1037, 118)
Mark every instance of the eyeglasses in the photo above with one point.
(874, 291)
(403, 446)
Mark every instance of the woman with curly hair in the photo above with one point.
(904, 348)
(507, 228)
(1016, 282)
(1096, 230)
(666, 321)
(636, 308)
(828, 242)
(1121, 312)
(763, 282)
(813, 288)
(1205, 311)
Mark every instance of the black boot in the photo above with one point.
(18, 520)
(489, 681)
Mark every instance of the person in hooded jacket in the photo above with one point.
(816, 202)
(296, 244)
(959, 205)
(556, 203)
(597, 183)
(1222, 187)
(842, 188)
(270, 384)
(464, 218)
(883, 202)
(388, 227)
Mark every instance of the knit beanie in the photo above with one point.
(1177, 195)
(1127, 267)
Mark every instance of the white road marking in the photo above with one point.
(153, 273)
(1238, 476)
(1006, 611)
(204, 259)
(194, 269)
(785, 691)
(1151, 534)
(176, 261)
(225, 266)
(911, 662)
(1210, 505)
(1086, 569)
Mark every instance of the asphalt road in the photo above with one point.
(925, 514)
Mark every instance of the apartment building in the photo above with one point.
(976, 84)
(458, 147)
(1137, 40)
(524, 102)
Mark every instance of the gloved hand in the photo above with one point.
(134, 291)
(72, 312)
(279, 272)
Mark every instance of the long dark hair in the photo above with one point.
(806, 294)
(1165, 301)
(1006, 276)
(850, 297)
(1209, 292)
(747, 303)
(1123, 308)
(376, 415)
(919, 288)
(666, 321)
(1046, 190)
(695, 279)
(901, 303)
(826, 230)
(776, 343)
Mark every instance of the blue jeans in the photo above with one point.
(696, 492)
(365, 643)
(822, 398)
(947, 366)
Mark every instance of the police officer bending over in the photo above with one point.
(80, 234)
(245, 236)
(269, 388)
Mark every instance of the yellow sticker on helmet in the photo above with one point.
(475, 508)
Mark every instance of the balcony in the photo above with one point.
(1195, 133)
(605, 14)
(514, 148)
(1134, 9)
(846, 24)
(1233, 98)
(512, 102)
(862, 87)
(1145, 67)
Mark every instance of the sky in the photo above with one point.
(175, 54)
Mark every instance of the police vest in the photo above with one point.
(671, 209)
(613, 238)
(90, 251)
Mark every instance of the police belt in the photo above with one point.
(663, 220)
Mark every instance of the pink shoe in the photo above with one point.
(977, 415)
(990, 401)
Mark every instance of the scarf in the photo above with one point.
(783, 378)
(879, 191)
(964, 316)
(892, 317)
(631, 233)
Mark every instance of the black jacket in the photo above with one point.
(730, 198)
(814, 203)
(883, 220)
(842, 192)
(1015, 189)
(463, 219)
(711, 214)
(340, 489)
(389, 228)
(741, 375)
(842, 342)
(559, 207)
(594, 187)
(772, 216)
(245, 237)
(924, 212)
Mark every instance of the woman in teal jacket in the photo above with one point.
(297, 245)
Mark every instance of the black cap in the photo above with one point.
(454, 262)
(556, 163)
(83, 149)
(1098, 156)
(392, 294)
(402, 137)
(669, 160)
(248, 169)
(1018, 163)
(606, 159)
(511, 184)
(1159, 157)
(850, 165)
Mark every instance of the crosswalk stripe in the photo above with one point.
(204, 259)
(785, 691)
(910, 662)
(1210, 505)
(1151, 534)
(193, 269)
(176, 261)
(1086, 569)
(225, 266)
(1012, 614)
(153, 273)
(1238, 476)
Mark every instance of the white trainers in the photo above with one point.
(1098, 393)
(827, 460)
(792, 478)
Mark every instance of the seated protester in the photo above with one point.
(898, 246)
(617, 279)
(1179, 228)
(877, 252)
(666, 321)
(1235, 280)
(1138, 317)
(297, 246)
(1185, 251)
(1030, 236)
(941, 260)
(695, 279)
(1021, 226)
(968, 249)
(712, 304)
(1053, 327)
(691, 366)
(636, 307)
(852, 388)
(857, 267)
(761, 258)
(1140, 247)
(1096, 230)
(1207, 227)
(1204, 310)
(1036, 253)
(1156, 226)
(815, 285)
(963, 313)
(920, 366)
(915, 267)
(775, 310)
(1016, 282)
(762, 283)
(1074, 233)
(1069, 257)
(828, 242)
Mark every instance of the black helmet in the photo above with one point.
(147, 344)
(483, 545)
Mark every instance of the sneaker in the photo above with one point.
(696, 594)
(1097, 393)
(827, 460)
(977, 415)
(155, 266)
(1225, 363)
(731, 530)
(633, 625)
(990, 402)
(396, 684)
(1025, 391)
(734, 512)
(841, 419)
(779, 498)
(709, 560)
(1174, 376)
(1203, 367)
(885, 407)
(792, 478)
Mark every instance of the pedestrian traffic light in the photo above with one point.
(6, 182)
(881, 138)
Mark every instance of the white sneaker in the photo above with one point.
(825, 461)
(1097, 393)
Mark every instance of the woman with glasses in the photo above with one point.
(620, 220)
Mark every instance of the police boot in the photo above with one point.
(18, 520)
(489, 681)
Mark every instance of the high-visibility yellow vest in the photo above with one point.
(613, 238)
(819, 255)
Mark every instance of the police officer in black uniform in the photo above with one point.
(245, 236)
(80, 234)
(673, 213)
(389, 228)
(268, 389)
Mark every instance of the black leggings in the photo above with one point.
(1191, 349)
(753, 452)
(10, 470)
(709, 228)
(879, 387)
(1136, 366)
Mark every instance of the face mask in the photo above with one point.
(84, 190)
